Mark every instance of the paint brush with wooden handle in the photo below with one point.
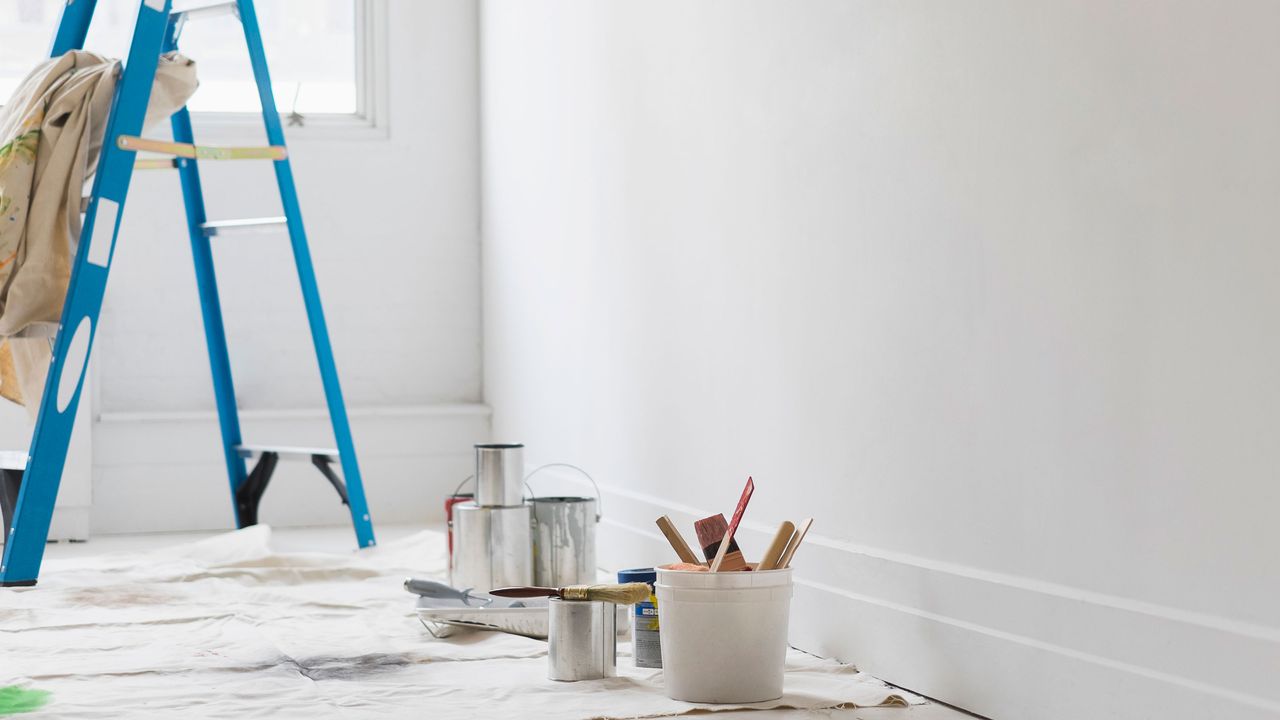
(711, 532)
(785, 560)
(718, 564)
(678, 544)
(624, 594)
(780, 541)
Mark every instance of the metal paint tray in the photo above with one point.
(442, 616)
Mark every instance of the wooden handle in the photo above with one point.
(674, 537)
(781, 539)
(526, 592)
(785, 560)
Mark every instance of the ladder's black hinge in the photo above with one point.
(10, 486)
(324, 465)
(249, 494)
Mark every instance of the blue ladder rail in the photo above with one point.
(157, 30)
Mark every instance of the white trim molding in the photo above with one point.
(163, 471)
(956, 633)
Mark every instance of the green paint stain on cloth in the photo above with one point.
(14, 700)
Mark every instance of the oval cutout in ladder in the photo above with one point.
(74, 363)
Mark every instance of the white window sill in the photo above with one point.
(237, 128)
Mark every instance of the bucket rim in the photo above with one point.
(729, 573)
(562, 499)
(737, 580)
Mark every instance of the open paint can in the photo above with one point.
(491, 546)
(564, 536)
(449, 502)
(564, 542)
(581, 640)
(499, 474)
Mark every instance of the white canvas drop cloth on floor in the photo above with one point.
(226, 628)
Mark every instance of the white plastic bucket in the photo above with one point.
(724, 635)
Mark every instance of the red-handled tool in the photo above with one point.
(733, 525)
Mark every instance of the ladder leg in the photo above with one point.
(24, 550)
(73, 27)
(215, 335)
(211, 308)
(306, 277)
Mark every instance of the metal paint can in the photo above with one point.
(646, 645)
(499, 474)
(492, 546)
(449, 502)
(564, 541)
(582, 644)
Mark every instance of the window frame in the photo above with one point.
(368, 122)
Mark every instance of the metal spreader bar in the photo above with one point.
(223, 227)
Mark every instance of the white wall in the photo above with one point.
(392, 219)
(987, 288)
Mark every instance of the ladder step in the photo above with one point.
(13, 459)
(222, 227)
(201, 12)
(155, 164)
(287, 452)
(203, 152)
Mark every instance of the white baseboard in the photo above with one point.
(999, 646)
(156, 472)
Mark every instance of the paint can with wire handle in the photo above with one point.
(564, 536)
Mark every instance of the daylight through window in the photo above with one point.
(311, 48)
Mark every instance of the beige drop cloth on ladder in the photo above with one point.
(225, 628)
(51, 134)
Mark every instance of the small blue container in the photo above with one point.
(646, 645)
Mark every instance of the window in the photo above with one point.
(314, 48)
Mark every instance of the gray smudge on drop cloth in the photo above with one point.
(348, 668)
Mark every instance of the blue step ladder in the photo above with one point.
(29, 482)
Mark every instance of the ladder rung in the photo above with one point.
(155, 164)
(13, 460)
(286, 452)
(222, 227)
(203, 152)
(207, 11)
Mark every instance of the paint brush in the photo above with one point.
(678, 544)
(785, 560)
(711, 531)
(718, 564)
(624, 594)
(781, 539)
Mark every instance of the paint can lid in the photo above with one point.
(644, 575)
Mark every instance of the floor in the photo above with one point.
(340, 539)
